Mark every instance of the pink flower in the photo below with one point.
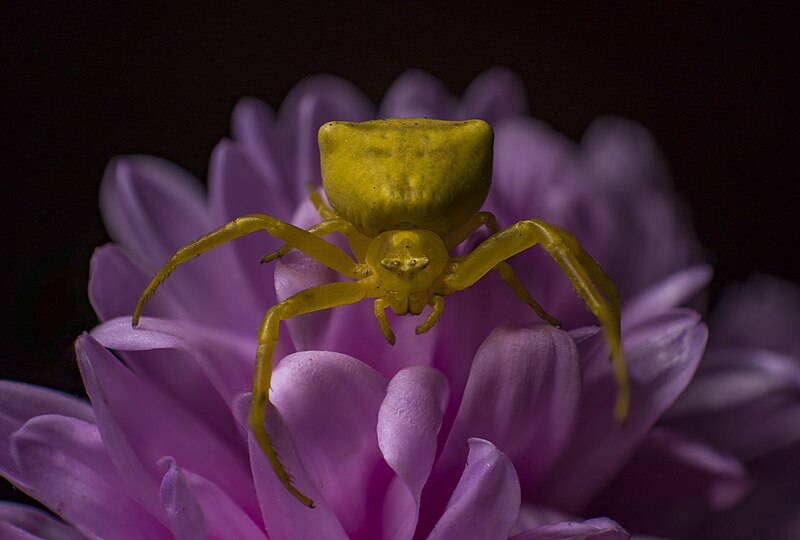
(492, 425)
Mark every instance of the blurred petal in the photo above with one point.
(253, 129)
(416, 94)
(485, 504)
(19, 402)
(764, 312)
(65, 464)
(18, 522)
(671, 485)
(184, 516)
(662, 355)
(408, 423)
(672, 292)
(591, 529)
(495, 95)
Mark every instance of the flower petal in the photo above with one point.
(673, 291)
(416, 94)
(20, 522)
(184, 516)
(235, 189)
(764, 312)
(485, 504)
(19, 402)
(495, 95)
(591, 529)
(662, 355)
(140, 424)
(253, 129)
(533, 377)
(330, 403)
(408, 423)
(671, 485)
(284, 517)
(64, 463)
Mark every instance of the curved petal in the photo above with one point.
(330, 403)
(533, 377)
(591, 529)
(140, 424)
(284, 517)
(184, 516)
(64, 464)
(20, 522)
(671, 484)
(662, 355)
(416, 94)
(311, 103)
(764, 312)
(495, 95)
(253, 129)
(19, 402)
(672, 292)
(408, 423)
(485, 504)
(235, 189)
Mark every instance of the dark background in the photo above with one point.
(86, 81)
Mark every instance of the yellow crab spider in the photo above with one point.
(404, 193)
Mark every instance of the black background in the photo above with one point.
(86, 81)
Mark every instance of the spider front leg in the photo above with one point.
(321, 250)
(585, 274)
(306, 301)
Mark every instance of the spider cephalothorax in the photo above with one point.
(404, 193)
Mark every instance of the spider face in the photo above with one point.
(406, 262)
(404, 192)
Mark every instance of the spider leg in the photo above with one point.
(438, 307)
(505, 270)
(585, 274)
(381, 305)
(311, 299)
(325, 228)
(321, 250)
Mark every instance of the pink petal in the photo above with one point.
(140, 424)
(330, 403)
(19, 402)
(184, 516)
(591, 529)
(533, 377)
(408, 423)
(20, 522)
(415, 94)
(235, 189)
(485, 504)
(255, 134)
(284, 516)
(662, 355)
(764, 312)
(671, 485)
(65, 464)
(495, 95)
(672, 292)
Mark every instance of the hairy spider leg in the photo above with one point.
(579, 267)
(358, 242)
(321, 250)
(311, 299)
(505, 270)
